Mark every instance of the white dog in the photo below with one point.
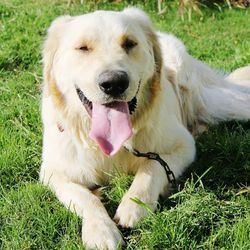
(111, 81)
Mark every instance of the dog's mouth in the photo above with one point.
(89, 106)
(110, 122)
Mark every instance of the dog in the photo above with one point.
(113, 85)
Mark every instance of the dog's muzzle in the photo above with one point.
(88, 104)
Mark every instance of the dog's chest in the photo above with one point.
(92, 167)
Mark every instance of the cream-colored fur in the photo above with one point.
(175, 93)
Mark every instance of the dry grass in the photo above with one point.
(186, 7)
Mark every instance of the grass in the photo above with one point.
(204, 213)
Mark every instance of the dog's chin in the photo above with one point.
(89, 106)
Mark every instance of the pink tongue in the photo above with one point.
(111, 126)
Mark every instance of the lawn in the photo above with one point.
(205, 212)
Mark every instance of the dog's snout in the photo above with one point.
(113, 83)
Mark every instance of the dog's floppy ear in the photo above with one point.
(144, 21)
(49, 49)
(139, 15)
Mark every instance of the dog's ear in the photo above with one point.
(144, 21)
(50, 47)
(139, 16)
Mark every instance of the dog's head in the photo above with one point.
(103, 61)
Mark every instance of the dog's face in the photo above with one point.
(102, 58)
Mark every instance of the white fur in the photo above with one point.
(191, 95)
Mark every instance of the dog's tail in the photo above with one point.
(206, 96)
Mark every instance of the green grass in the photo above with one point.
(205, 213)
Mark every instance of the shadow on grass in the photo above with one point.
(224, 152)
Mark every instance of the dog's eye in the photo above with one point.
(129, 44)
(85, 48)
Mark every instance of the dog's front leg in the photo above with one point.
(150, 181)
(98, 230)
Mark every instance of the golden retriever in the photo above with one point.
(111, 81)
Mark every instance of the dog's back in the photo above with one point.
(206, 96)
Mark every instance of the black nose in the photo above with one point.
(113, 83)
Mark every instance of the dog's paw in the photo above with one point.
(101, 234)
(129, 212)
